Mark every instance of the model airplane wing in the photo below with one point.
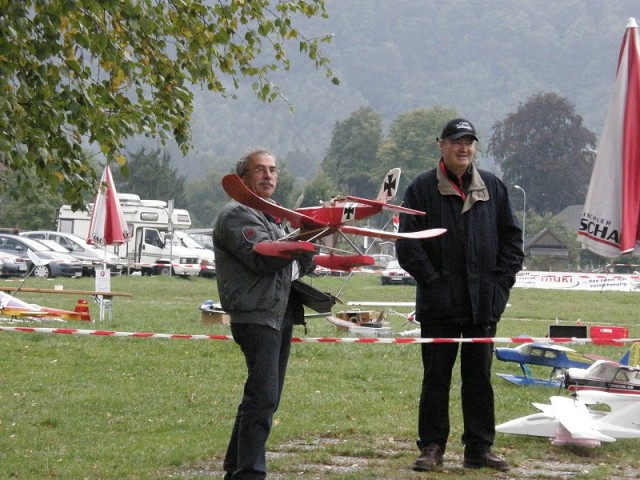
(283, 249)
(368, 232)
(11, 306)
(343, 262)
(386, 206)
(574, 416)
(236, 189)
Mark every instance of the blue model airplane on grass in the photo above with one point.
(558, 357)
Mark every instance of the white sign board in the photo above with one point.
(579, 281)
(103, 280)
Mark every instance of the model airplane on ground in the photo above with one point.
(13, 307)
(605, 376)
(331, 218)
(558, 357)
(575, 421)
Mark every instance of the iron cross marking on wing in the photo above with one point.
(390, 185)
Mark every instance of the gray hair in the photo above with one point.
(241, 165)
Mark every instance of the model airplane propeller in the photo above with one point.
(331, 218)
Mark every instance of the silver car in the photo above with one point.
(12, 265)
(90, 256)
(49, 264)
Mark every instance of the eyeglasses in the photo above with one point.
(260, 170)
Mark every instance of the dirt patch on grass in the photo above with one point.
(314, 460)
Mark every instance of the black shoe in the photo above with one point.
(430, 458)
(488, 460)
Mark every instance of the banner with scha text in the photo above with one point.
(597, 282)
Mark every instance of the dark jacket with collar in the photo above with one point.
(464, 275)
(253, 288)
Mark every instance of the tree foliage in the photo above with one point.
(545, 148)
(97, 72)
(411, 144)
(151, 177)
(351, 156)
(25, 214)
(321, 188)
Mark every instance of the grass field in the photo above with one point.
(87, 407)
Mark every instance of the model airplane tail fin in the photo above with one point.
(82, 308)
(632, 356)
(389, 186)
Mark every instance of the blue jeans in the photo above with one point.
(266, 353)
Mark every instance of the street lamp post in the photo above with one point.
(524, 212)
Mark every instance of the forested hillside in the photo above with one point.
(482, 58)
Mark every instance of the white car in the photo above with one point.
(206, 257)
(394, 274)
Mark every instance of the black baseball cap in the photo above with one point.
(458, 128)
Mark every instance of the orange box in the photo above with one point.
(604, 335)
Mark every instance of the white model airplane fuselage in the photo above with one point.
(574, 421)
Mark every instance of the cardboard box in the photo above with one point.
(356, 316)
(602, 335)
(215, 318)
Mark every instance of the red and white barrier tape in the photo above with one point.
(397, 340)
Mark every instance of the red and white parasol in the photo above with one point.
(108, 225)
(610, 224)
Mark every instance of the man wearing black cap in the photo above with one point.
(463, 282)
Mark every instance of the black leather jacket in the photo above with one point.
(466, 274)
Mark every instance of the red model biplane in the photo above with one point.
(330, 218)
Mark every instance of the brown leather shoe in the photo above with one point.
(488, 460)
(430, 458)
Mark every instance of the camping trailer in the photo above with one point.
(149, 221)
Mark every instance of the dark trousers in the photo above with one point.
(438, 360)
(266, 352)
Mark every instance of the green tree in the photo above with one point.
(352, 152)
(25, 214)
(319, 189)
(204, 198)
(151, 177)
(545, 148)
(98, 72)
(411, 144)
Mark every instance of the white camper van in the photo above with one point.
(148, 221)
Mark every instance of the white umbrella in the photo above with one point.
(610, 224)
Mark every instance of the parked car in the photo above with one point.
(91, 257)
(53, 264)
(204, 236)
(381, 261)
(206, 257)
(89, 264)
(393, 273)
(12, 265)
